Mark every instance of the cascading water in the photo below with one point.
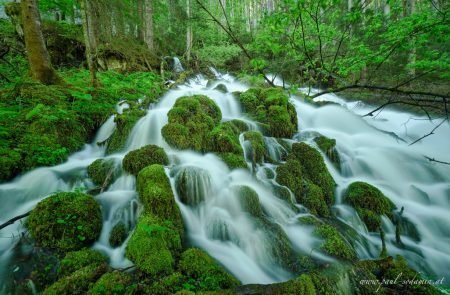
(209, 195)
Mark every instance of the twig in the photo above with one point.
(437, 161)
(12, 220)
(430, 133)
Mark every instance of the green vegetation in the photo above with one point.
(258, 146)
(76, 260)
(138, 159)
(334, 244)
(65, 221)
(271, 108)
(101, 172)
(249, 201)
(370, 203)
(204, 273)
(224, 138)
(112, 283)
(328, 147)
(124, 124)
(233, 161)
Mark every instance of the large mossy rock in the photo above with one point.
(204, 272)
(369, 202)
(157, 197)
(101, 172)
(334, 244)
(138, 159)
(154, 246)
(78, 282)
(302, 285)
(224, 138)
(112, 283)
(124, 124)
(190, 121)
(76, 260)
(328, 147)
(66, 221)
(233, 161)
(271, 107)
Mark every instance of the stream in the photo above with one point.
(372, 149)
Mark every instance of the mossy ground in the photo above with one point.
(138, 159)
(76, 260)
(65, 221)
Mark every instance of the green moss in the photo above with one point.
(157, 197)
(167, 285)
(205, 273)
(290, 174)
(76, 260)
(66, 221)
(309, 220)
(315, 169)
(78, 282)
(152, 245)
(249, 201)
(314, 200)
(138, 159)
(271, 107)
(334, 244)
(190, 121)
(101, 172)
(112, 283)
(221, 87)
(302, 285)
(258, 146)
(224, 139)
(369, 202)
(233, 161)
(328, 146)
(118, 235)
(239, 125)
(124, 124)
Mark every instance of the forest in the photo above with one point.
(224, 147)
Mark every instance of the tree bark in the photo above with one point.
(148, 25)
(90, 39)
(38, 57)
(189, 34)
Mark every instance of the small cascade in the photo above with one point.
(177, 66)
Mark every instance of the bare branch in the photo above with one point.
(437, 161)
(12, 220)
(430, 133)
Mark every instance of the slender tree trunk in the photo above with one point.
(189, 34)
(90, 39)
(38, 57)
(412, 53)
(148, 24)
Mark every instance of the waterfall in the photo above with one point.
(214, 201)
(177, 66)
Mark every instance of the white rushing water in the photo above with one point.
(217, 222)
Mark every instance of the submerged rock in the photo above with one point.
(65, 221)
(221, 87)
(118, 234)
(193, 185)
(369, 202)
(138, 159)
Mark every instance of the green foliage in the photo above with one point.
(65, 221)
(334, 244)
(112, 283)
(190, 121)
(118, 234)
(271, 107)
(224, 139)
(76, 260)
(233, 161)
(219, 56)
(204, 272)
(369, 202)
(101, 171)
(157, 197)
(148, 155)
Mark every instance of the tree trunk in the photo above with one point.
(189, 34)
(148, 24)
(38, 57)
(90, 39)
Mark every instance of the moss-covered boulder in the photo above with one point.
(124, 124)
(193, 185)
(314, 169)
(78, 282)
(76, 260)
(224, 139)
(112, 283)
(233, 161)
(170, 284)
(249, 201)
(271, 107)
(118, 235)
(369, 202)
(101, 172)
(190, 121)
(204, 272)
(290, 174)
(157, 197)
(302, 285)
(153, 246)
(66, 221)
(257, 146)
(238, 125)
(314, 200)
(334, 244)
(138, 159)
(328, 147)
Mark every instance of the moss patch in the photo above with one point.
(190, 121)
(249, 201)
(124, 124)
(302, 285)
(334, 243)
(66, 221)
(328, 147)
(118, 235)
(233, 161)
(112, 283)
(369, 202)
(76, 260)
(101, 172)
(271, 107)
(138, 159)
(204, 272)
(257, 144)
(224, 139)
